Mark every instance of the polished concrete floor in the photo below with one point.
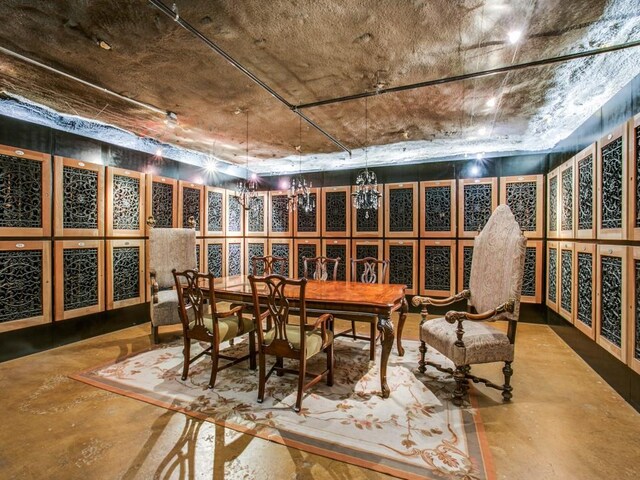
(565, 422)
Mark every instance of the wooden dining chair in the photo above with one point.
(325, 268)
(213, 327)
(268, 263)
(271, 301)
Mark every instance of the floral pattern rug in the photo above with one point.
(416, 433)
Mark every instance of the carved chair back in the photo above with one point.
(193, 302)
(497, 266)
(373, 270)
(325, 268)
(171, 248)
(270, 265)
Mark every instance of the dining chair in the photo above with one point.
(210, 326)
(272, 296)
(324, 267)
(268, 263)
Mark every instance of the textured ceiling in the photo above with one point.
(313, 50)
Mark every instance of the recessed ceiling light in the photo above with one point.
(514, 36)
(480, 156)
(491, 102)
(254, 176)
(104, 45)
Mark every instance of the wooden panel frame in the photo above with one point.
(287, 233)
(58, 198)
(387, 210)
(284, 241)
(587, 233)
(111, 244)
(452, 267)
(200, 260)
(452, 184)
(228, 243)
(207, 232)
(205, 253)
(633, 126)
(553, 176)
(112, 232)
(553, 305)
(537, 298)
(613, 233)
(633, 326)
(569, 164)
(354, 220)
(150, 180)
(265, 219)
(265, 245)
(347, 260)
(460, 257)
(493, 181)
(59, 248)
(413, 243)
(45, 248)
(584, 328)
(566, 247)
(622, 252)
(229, 194)
(319, 217)
(303, 241)
(347, 192)
(182, 184)
(539, 181)
(45, 160)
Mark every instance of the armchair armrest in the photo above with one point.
(424, 301)
(453, 317)
(233, 311)
(322, 321)
(154, 285)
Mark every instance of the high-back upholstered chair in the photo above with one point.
(325, 268)
(270, 264)
(169, 248)
(284, 340)
(467, 338)
(201, 321)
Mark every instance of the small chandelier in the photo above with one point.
(299, 191)
(247, 189)
(366, 197)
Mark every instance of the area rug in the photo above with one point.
(416, 433)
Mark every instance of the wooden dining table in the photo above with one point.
(379, 300)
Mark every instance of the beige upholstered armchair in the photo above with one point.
(169, 248)
(469, 338)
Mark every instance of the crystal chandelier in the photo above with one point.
(366, 197)
(247, 190)
(300, 191)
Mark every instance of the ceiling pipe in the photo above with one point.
(195, 32)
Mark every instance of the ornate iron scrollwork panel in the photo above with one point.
(80, 266)
(79, 198)
(612, 185)
(256, 215)
(197, 256)
(214, 211)
(467, 257)
(637, 162)
(335, 251)
(477, 206)
(529, 276)
(566, 279)
(20, 192)
(401, 209)
(566, 214)
(364, 224)
(437, 209)
(20, 284)
(584, 308)
(309, 251)
(162, 204)
(234, 214)
(234, 260)
(401, 265)
(279, 213)
(522, 200)
(255, 250)
(126, 203)
(585, 193)
(190, 206)
(553, 202)
(636, 340)
(437, 268)
(281, 250)
(336, 211)
(214, 259)
(552, 271)
(611, 299)
(126, 273)
(307, 222)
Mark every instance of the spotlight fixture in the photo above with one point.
(514, 36)
(171, 120)
(104, 45)
(492, 102)
(158, 152)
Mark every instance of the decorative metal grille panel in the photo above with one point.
(437, 268)
(335, 251)
(367, 224)
(477, 206)
(521, 199)
(401, 265)
(552, 269)
(636, 340)
(214, 259)
(336, 211)
(255, 250)
(79, 198)
(190, 206)
(307, 222)
(279, 213)
(20, 192)
(401, 209)
(234, 214)
(529, 277)
(437, 209)
(612, 185)
(126, 203)
(281, 250)
(256, 215)
(467, 257)
(566, 279)
(214, 211)
(585, 193)
(20, 284)
(611, 299)
(126, 273)
(553, 203)
(584, 308)
(234, 261)
(197, 256)
(309, 251)
(363, 251)
(566, 214)
(80, 266)
(162, 204)
(637, 161)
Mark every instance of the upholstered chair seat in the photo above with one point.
(313, 339)
(228, 328)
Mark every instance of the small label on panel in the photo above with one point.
(20, 245)
(81, 244)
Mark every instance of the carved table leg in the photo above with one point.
(385, 325)
(403, 316)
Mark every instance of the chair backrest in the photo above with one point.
(325, 268)
(271, 301)
(192, 300)
(171, 248)
(365, 270)
(497, 266)
(268, 265)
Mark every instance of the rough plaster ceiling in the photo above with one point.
(313, 50)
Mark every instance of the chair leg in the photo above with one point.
(186, 351)
(422, 364)
(252, 350)
(353, 330)
(301, 377)
(214, 365)
(461, 385)
(329, 351)
(263, 376)
(154, 334)
(372, 341)
(507, 388)
(466, 369)
(279, 366)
